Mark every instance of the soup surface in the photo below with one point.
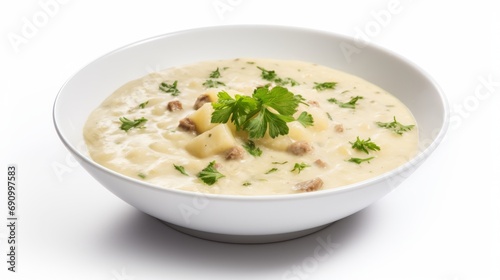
(299, 127)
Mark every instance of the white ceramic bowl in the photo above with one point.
(260, 218)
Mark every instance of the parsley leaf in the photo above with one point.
(329, 116)
(213, 83)
(286, 81)
(324, 86)
(265, 120)
(209, 175)
(143, 104)
(270, 75)
(215, 74)
(364, 145)
(351, 104)
(238, 109)
(128, 124)
(170, 88)
(395, 126)
(360, 160)
(252, 149)
(181, 169)
(299, 167)
(274, 169)
(305, 119)
(141, 175)
(280, 100)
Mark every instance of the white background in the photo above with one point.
(442, 223)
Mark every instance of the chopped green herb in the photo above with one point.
(252, 149)
(364, 145)
(277, 162)
(128, 124)
(213, 83)
(253, 114)
(246, 184)
(324, 86)
(360, 160)
(305, 119)
(143, 104)
(250, 62)
(286, 81)
(351, 104)
(181, 169)
(141, 175)
(209, 175)
(170, 88)
(395, 126)
(274, 169)
(329, 116)
(299, 167)
(215, 74)
(270, 75)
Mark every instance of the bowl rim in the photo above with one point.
(415, 161)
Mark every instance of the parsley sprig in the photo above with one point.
(305, 119)
(324, 86)
(213, 83)
(215, 74)
(170, 88)
(274, 169)
(299, 167)
(252, 149)
(143, 104)
(396, 126)
(209, 83)
(181, 169)
(364, 145)
(128, 124)
(266, 110)
(351, 104)
(270, 75)
(360, 160)
(210, 175)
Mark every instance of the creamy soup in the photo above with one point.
(325, 128)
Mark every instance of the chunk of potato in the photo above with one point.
(159, 110)
(211, 142)
(298, 132)
(202, 117)
(212, 94)
(279, 143)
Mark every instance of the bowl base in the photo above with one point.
(245, 239)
